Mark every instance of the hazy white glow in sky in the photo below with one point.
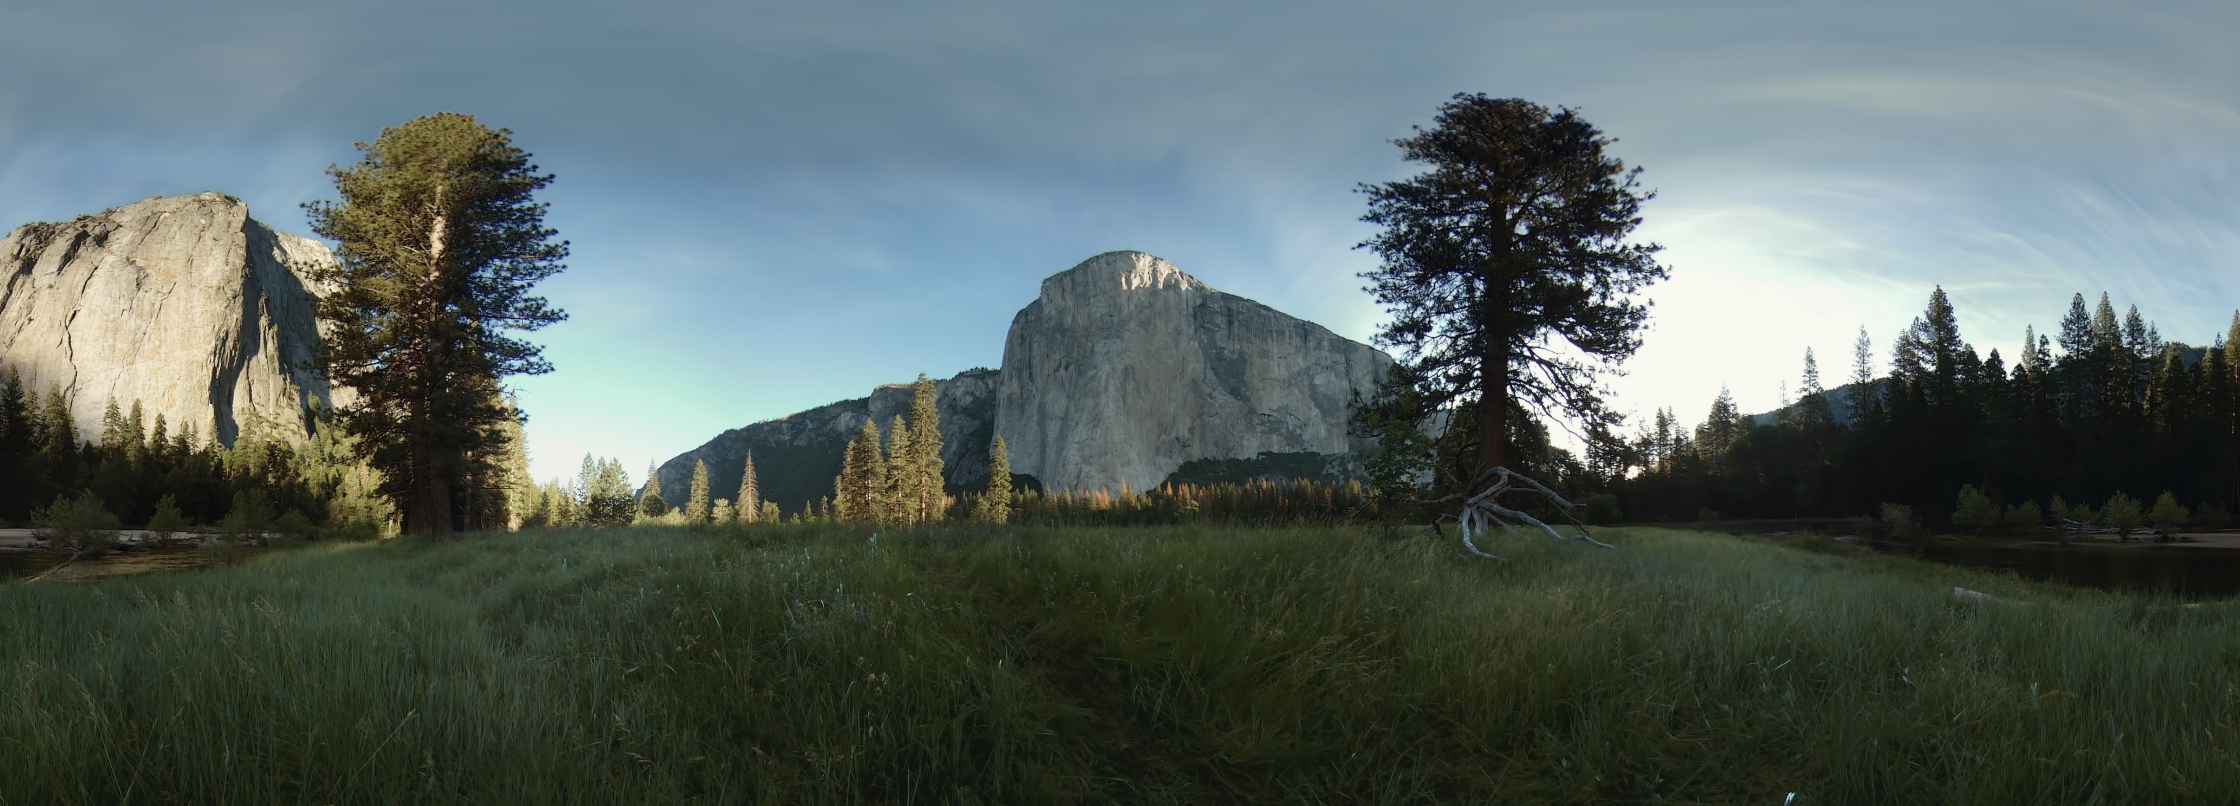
(778, 205)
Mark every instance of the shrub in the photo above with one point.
(293, 524)
(2025, 516)
(1974, 509)
(168, 522)
(2084, 513)
(2168, 513)
(2123, 513)
(1708, 517)
(81, 526)
(2211, 515)
(1897, 521)
(251, 512)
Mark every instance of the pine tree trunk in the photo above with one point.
(1493, 402)
(431, 494)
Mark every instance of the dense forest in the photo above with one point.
(2103, 408)
(137, 466)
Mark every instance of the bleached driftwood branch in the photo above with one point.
(1482, 511)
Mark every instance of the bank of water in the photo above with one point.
(2187, 571)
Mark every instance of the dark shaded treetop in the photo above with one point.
(1513, 243)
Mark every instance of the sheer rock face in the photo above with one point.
(796, 457)
(1125, 368)
(1122, 371)
(184, 304)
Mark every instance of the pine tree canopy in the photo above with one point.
(650, 502)
(749, 502)
(438, 243)
(924, 452)
(1508, 271)
(862, 484)
(899, 500)
(696, 501)
(997, 501)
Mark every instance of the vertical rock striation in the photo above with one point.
(184, 304)
(1125, 368)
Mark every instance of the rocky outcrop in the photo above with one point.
(797, 456)
(1125, 368)
(184, 304)
(1125, 371)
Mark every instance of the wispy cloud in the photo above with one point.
(776, 204)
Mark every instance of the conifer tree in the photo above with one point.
(136, 435)
(750, 493)
(606, 492)
(58, 435)
(2076, 329)
(862, 484)
(899, 501)
(1720, 430)
(650, 502)
(159, 440)
(997, 502)
(2135, 335)
(513, 491)
(1509, 272)
(2105, 329)
(18, 440)
(1866, 396)
(112, 428)
(696, 500)
(923, 453)
(439, 242)
(1814, 415)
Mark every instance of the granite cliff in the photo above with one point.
(1123, 371)
(1125, 368)
(185, 304)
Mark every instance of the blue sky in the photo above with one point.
(778, 205)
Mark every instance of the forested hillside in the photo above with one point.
(2104, 406)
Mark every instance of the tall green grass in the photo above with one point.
(818, 664)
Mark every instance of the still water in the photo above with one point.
(2192, 572)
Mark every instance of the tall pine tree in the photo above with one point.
(650, 502)
(1509, 271)
(996, 504)
(899, 502)
(923, 453)
(749, 502)
(860, 492)
(439, 241)
(696, 500)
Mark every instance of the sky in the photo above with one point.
(777, 205)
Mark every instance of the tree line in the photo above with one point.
(139, 468)
(2084, 424)
(601, 496)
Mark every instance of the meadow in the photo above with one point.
(819, 663)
